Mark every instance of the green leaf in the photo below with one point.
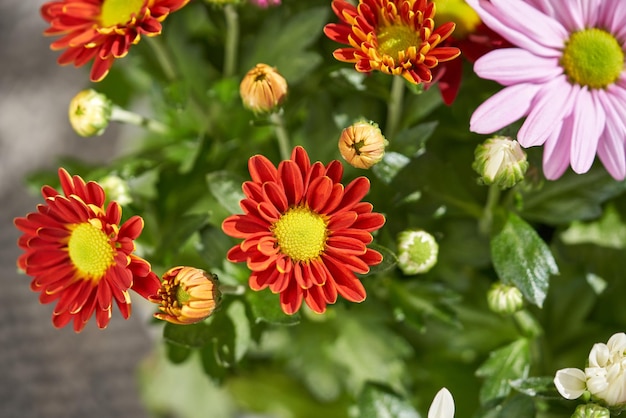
(226, 188)
(572, 197)
(191, 336)
(265, 307)
(503, 365)
(282, 43)
(378, 402)
(389, 259)
(522, 258)
(177, 353)
(536, 386)
(243, 337)
(389, 166)
(608, 231)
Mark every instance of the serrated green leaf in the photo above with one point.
(265, 307)
(503, 365)
(378, 402)
(191, 336)
(294, 34)
(226, 188)
(522, 258)
(389, 166)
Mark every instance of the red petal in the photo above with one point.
(291, 299)
(346, 282)
(292, 180)
(261, 169)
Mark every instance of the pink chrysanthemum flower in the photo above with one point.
(565, 75)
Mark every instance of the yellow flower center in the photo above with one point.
(182, 296)
(119, 12)
(301, 234)
(593, 58)
(459, 12)
(90, 250)
(394, 39)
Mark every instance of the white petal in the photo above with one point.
(503, 66)
(570, 382)
(442, 406)
(599, 355)
(588, 118)
(551, 105)
(544, 37)
(617, 343)
(556, 150)
(503, 108)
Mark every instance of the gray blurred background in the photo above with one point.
(47, 372)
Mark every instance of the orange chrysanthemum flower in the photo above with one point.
(103, 30)
(397, 37)
(305, 235)
(79, 255)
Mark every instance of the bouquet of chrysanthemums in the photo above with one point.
(372, 208)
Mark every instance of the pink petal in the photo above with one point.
(552, 104)
(588, 119)
(503, 108)
(510, 18)
(556, 151)
(503, 66)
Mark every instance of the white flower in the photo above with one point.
(442, 406)
(604, 377)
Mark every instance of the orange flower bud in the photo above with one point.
(187, 295)
(263, 89)
(362, 145)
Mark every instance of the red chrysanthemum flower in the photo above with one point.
(79, 255)
(396, 37)
(103, 30)
(305, 235)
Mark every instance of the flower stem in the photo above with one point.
(486, 221)
(121, 115)
(227, 289)
(281, 135)
(394, 108)
(163, 58)
(232, 40)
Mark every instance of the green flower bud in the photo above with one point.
(90, 113)
(501, 161)
(417, 251)
(591, 410)
(504, 299)
(116, 189)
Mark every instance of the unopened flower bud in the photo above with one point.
(263, 89)
(417, 251)
(500, 160)
(187, 295)
(591, 410)
(505, 299)
(362, 144)
(90, 113)
(115, 188)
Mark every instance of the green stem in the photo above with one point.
(227, 289)
(121, 115)
(281, 135)
(394, 108)
(232, 40)
(163, 58)
(486, 220)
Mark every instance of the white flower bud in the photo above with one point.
(90, 113)
(504, 299)
(442, 406)
(500, 160)
(417, 251)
